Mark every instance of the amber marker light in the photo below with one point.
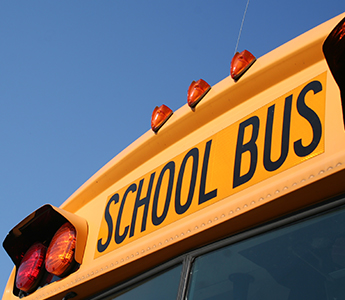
(196, 91)
(240, 63)
(31, 268)
(159, 116)
(60, 253)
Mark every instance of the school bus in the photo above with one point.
(239, 194)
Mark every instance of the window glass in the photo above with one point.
(161, 287)
(303, 261)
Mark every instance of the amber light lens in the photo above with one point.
(240, 64)
(196, 91)
(31, 268)
(60, 254)
(159, 116)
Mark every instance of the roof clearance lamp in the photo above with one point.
(159, 116)
(240, 63)
(196, 91)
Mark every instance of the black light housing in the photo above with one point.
(334, 51)
(39, 228)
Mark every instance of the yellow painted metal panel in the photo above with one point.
(279, 135)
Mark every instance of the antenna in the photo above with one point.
(239, 34)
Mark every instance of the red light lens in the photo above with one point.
(60, 253)
(196, 91)
(159, 116)
(240, 63)
(31, 267)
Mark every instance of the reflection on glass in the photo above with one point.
(161, 287)
(303, 261)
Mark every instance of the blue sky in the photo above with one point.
(79, 80)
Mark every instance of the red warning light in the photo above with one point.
(31, 268)
(240, 63)
(159, 116)
(196, 91)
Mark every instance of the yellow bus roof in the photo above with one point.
(219, 206)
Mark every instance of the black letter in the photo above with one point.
(250, 146)
(139, 202)
(155, 219)
(202, 196)
(180, 209)
(268, 163)
(119, 238)
(312, 118)
(101, 247)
